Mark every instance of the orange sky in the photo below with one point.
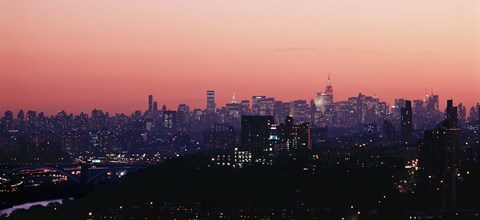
(77, 55)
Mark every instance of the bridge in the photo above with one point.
(81, 174)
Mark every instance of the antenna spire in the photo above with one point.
(234, 99)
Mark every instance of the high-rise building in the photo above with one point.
(262, 105)
(406, 125)
(299, 109)
(462, 115)
(155, 107)
(150, 103)
(245, 107)
(438, 160)
(296, 136)
(451, 115)
(220, 136)
(183, 115)
(325, 98)
(255, 131)
(169, 120)
(211, 106)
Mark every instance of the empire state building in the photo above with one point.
(325, 98)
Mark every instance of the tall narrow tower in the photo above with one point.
(406, 122)
(325, 98)
(211, 107)
(150, 103)
(329, 88)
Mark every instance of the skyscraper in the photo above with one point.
(211, 106)
(255, 131)
(451, 115)
(438, 160)
(325, 98)
(406, 122)
(262, 105)
(155, 107)
(220, 136)
(150, 103)
(296, 136)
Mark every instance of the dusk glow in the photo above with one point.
(76, 56)
(240, 109)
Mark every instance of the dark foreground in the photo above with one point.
(190, 187)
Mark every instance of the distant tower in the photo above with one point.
(150, 103)
(451, 115)
(325, 98)
(329, 88)
(234, 99)
(406, 122)
(211, 107)
(155, 107)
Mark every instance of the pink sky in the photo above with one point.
(80, 55)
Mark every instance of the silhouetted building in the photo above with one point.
(318, 137)
(451, 115)
(211, 106)
(220, 136)
(150, 104)
(296, 136)
(255, 131)
(438, 160)
(406, 126)
(169, 120)
(262, 105)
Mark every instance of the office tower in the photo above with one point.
(406, 125)
(299, 110)
(150, 103)
(281, 110)
(256, 105)
(255, 131)
(325, 98)
(462, 116)
(21, 115)
(245, 107)
(418, 114)
(388, 130)
(7, 121)
(169, 120)
(396, 110)
(155, 107)
(296, 136)
(451, 115)
(318, 137)
(220, 136)
(211, 106)
(473, 116)
(183, 115)
(438, 160)
(262, 105)
(432, 104)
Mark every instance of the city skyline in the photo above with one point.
(273, 109)
(202, 102)
(110, 55)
